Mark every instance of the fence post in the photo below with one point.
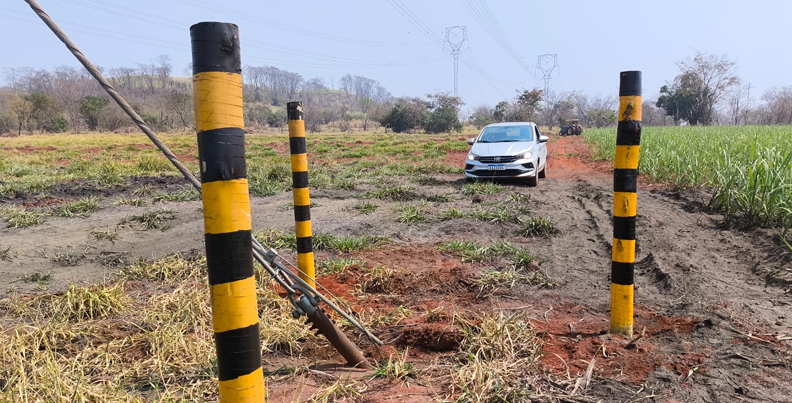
(217, 89)
(625, 197)
(302, 199)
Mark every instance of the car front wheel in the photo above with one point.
(532, 181)
(543, 174)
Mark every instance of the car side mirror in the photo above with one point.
(471, 141)
(543, 139)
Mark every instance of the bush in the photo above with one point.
(58, 124)
(406, 114)
(444, 115)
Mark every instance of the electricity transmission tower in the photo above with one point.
(547, 63)
(455, 37)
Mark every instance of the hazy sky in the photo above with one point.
(594, 40)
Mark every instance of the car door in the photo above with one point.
(542, 146)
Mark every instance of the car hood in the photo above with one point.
(502, 149)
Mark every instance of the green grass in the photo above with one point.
(154, 219)
(20, 217)
(339, 264)
(290, 206)
(439, 198)
(78, 208)
(180, 195)
(328, 242)
(410, 214)
(101, 160)
(511, 277)
(396, 369)
(468, 251)
(40, 279)
(482, 188)
(68, 258)
(498, 215)
(538, 227)
(396, 193)
(451, 214)
(365, 207)
(131, 201)
(749, 168)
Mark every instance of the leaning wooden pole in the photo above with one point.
(217, 88)
(302, 199)
(625, 197)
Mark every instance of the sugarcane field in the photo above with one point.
(279, 206)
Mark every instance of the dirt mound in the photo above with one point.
(423, 273)
(432, 336)
(575, 335)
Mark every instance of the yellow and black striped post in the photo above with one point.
(302, 198)
(625, 197)
(217, 86)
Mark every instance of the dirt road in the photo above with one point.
(709, 327)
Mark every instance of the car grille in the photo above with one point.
(498, 160)
(505, 172)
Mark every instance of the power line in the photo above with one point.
(291, 28)
(483, 14)
(179, 26)
(182, 48)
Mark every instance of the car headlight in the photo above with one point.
(525, 156)
(473, 157)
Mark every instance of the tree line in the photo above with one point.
(706, 91)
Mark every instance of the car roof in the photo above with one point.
(511, 124)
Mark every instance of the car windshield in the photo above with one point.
(506, 134)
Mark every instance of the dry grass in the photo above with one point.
(397, 368)
(340, 390)
(498, 360)
(170, 269)
(150, 220)
(148, 338)
(7, 254)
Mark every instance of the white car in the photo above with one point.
(514, 150)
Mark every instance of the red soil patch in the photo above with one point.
(570, 157)
(342, 160)
(573, 336)
(455, 158)
(186, 157)
(31, 149)
(339, 285)
(43, 203)
(357, 143)
(423, 273)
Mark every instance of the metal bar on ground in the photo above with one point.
(625, 197)
(217, 88)
(302, 199)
